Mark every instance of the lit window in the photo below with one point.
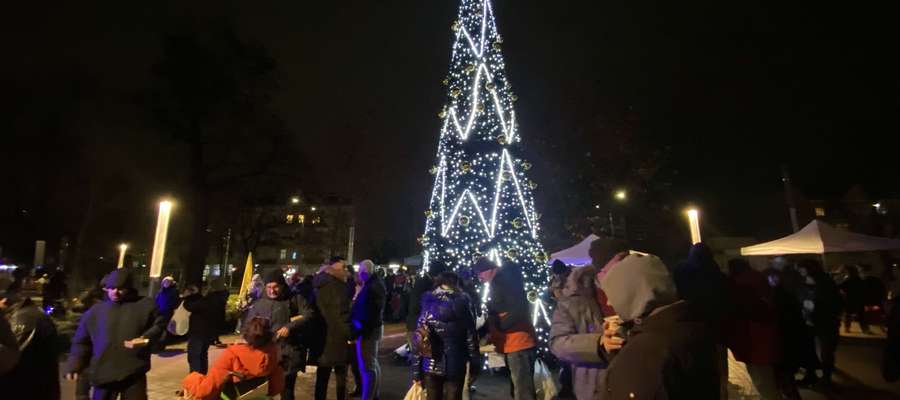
(301, 219)
(283, 254)
(294, 255)
(316, 220)
(290, 218)
(820, 212)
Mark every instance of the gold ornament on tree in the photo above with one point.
(470, 68)
(526, 165)
(506, 175)
(490, 86)
(514, 98)
(502, 139)
(465, 166)
(517, 223)
(445, 82)
(442, 114)
(433, 170)
(480, 107)
(455, 26)
(512, 253)
(533, 185)
(455, 92)
(532, 296)
(464, 220)
(428, 213)
(496, 45)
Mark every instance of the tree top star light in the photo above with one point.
(481, 202)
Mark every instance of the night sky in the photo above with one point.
(735, 89)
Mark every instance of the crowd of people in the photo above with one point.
(626, 326)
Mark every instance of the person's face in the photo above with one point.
(362, 275)
(273, 290)
(116, 294)
(487, 275)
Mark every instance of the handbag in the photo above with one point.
(416, 392)
(178, 325)
(546, 387)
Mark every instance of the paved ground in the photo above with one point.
(859, 376)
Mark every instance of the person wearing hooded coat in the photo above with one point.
(333, 303)
(669, 350)
(113, 340)
(290, 315)
(576, 331)
(207, 317)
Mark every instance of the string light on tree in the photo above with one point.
(482, 202)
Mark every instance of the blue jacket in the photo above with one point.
(450, 320)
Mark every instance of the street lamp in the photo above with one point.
(295, 200)
(122, 248)
(621, 195)
(694, 219)
(159, 242)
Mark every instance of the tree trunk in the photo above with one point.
(198, 207)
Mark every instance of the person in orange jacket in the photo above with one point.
(254, 359)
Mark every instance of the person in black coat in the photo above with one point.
(207, 317)
(112, 340)
(669, 350)
(366, 316)
(825, 314)
(333, 303)
(447, 318)
(38, 365)
(290, 316)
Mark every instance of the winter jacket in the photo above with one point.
(39, 362)
(576, 331)
(752, 331)
(423, 285)
(449, 319)
(207, 314)
(333, 302)
(167, 301)
(242, 359)
(669, 355)
(828, 305)
(98, 344)
(367, 312)
(279, 312)
(855, 292)
(508, 316)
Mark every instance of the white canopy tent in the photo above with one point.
(577, 254)
(820, 238)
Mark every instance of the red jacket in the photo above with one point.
(240, 358)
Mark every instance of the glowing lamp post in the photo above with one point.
(122, 248)
(159, 242)
(694, 218)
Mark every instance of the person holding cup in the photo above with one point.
(582, 318)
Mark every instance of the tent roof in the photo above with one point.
(818, 238)
(577, 254)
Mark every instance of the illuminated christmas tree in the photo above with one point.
(481, 203)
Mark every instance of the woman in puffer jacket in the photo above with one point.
(440, 358)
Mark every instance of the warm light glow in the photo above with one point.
(694, 218)
(159, 241)
(312, 208)
(621, 195)
(295, 200)
(122, 248)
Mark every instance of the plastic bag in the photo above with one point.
(416, 392)
(178, 325)
(545, 385)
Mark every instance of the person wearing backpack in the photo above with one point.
(445, 340)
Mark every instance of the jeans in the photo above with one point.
(340, 376)
(131, 388)
(826, 346)
(369, 369)
(521, 373)
(439, 388)
(198, 354)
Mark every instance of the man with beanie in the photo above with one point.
(112, 340)
(333, 302)
(289, 316)
(669, 349)
(509, 323)
(367, 327)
